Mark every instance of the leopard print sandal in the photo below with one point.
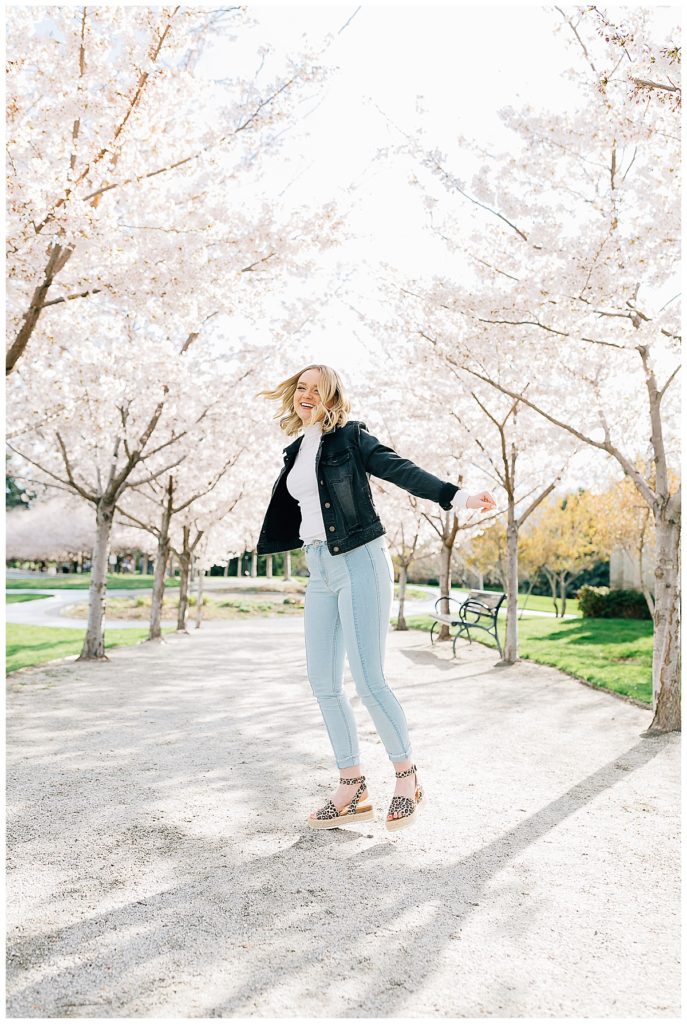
(404, 805)
(329, 817)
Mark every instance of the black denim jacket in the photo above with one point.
(344, 458)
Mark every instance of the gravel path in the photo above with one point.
(159, 864)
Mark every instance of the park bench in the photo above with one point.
(479, 610)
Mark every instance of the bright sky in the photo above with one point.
(460, 63)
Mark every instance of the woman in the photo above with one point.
(322, 500)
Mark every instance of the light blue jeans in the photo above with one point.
(347, 607)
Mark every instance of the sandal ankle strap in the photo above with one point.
(352, 782)
(408, 771)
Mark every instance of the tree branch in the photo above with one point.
(70, 476)
(48, 472)
(663, 390)
(68, 298)
(647, 493)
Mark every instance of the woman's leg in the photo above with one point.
(325, 662)
(366, 587)
(325, 652)
(364, 581)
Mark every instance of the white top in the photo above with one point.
(301, 483)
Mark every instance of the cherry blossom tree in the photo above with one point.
(404, 532)
(55, 528)
(122, 415)
(121, 158)
(527, 469)
(569, 242)
(179, 508)
(524, 462)
(400, 414)
(502, 441)
(145, 237)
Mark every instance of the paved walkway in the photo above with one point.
(159, 864)
(50, 611)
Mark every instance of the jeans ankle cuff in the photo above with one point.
(350, 762)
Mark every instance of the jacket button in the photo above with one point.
(322, 482)
(336, 549)
(331, 529)
(327, 504)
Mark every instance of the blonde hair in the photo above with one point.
(331, 389)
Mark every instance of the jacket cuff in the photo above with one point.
(460, 499)
(446, 495)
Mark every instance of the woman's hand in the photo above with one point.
(484, 501)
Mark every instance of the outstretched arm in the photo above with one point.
(382, 461)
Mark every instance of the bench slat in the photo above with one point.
(486, 597)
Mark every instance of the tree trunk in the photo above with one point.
(254, 563)
(226, 568)
(563, 591)
(510, 648)
(268, 567)
(287, 566)
(184, 568)
(155, 631)
(402, 581)
(666, 654)
(530, 584)
(445, 586)
(94, 641)
(551, 577)
(199, 599)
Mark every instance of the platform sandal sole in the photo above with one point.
(361, 812)
(343, 819)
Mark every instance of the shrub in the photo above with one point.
(607, 603)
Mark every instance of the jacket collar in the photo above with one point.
(291, 450)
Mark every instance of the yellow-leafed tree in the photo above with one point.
(565, 533)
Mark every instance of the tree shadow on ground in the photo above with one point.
(250, 900)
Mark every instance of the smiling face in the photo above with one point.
(307, 395)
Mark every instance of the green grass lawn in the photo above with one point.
(535, 602)
(613, 654)
(17, 598)
(34, 645)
